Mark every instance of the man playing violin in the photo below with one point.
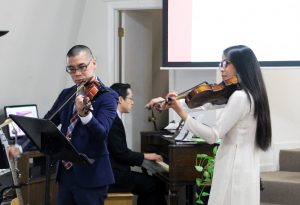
(243, 126)
(85, 184)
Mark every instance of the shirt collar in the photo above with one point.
(119, 114)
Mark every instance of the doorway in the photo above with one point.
(140, 59)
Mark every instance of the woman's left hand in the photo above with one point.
(173, 103)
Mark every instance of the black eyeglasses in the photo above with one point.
(80, 68)
(130, 98)
(224, 63)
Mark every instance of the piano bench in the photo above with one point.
(124, 198)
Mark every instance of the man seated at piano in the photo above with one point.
(148, 189)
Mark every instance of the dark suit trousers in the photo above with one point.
(69, 193)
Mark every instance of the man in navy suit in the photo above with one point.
(150, 190)
(85, 184)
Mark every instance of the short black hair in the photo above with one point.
(121, 89)
(75, 50)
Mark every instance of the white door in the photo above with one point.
(137, 70)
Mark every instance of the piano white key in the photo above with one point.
(4, 171)
(163, 165)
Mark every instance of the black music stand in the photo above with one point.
(2, 32)
(50, 141)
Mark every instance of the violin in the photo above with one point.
(91, 90)
(216, 94)
(202, 93)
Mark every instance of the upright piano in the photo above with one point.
(180, 158)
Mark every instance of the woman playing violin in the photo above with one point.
(244, 127)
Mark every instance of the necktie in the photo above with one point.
(73, 122)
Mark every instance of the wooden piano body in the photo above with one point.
(181, 158)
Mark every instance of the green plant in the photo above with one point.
(205, 166)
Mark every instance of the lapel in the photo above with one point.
(120, 124)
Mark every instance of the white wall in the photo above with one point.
(93, 32)
(32, 54)
(282, 85)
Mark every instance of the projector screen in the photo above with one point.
(195, 32)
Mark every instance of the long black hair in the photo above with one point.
(251, 80)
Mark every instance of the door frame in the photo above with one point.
(113, 7)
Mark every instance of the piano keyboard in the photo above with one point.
(163, 165)
(4, 171)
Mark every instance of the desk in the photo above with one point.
(32, 169)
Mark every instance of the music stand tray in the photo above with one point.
(49, 140)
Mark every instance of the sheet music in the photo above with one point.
(187, 136)
(172, 126)
(182, 134)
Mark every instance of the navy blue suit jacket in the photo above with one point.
(90, 139)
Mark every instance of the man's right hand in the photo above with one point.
(14, 151)
(153, 157)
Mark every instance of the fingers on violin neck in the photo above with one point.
(149, 106)
(169, 100)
